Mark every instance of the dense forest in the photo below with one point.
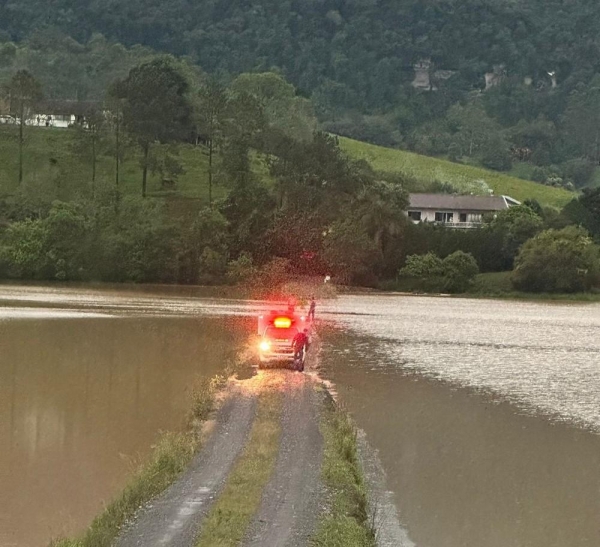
(356, 60)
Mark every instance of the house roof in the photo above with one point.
(460, 203)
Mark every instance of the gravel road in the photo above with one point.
(174, 517)
(294, 496)
(291, 500)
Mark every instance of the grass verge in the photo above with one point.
(495, 285)
(346, 522)
(169, 458)
(230, 517)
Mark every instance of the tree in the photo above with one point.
(496, 154)
(204, 249)
(459, 270)
(381, 207)
(242, 129)
(585, 211)
(349, 252)
(558, 261)
(291, 115)
(582, 119)
(156, 107)
(211, 109)
(515, 225)
(473, 128)
(24, 92)
(88, 135)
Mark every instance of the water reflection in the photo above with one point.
(542, 357)
(81, 397)
(475, 408)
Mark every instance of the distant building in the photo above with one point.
(455, 211)
(62, 113)
(52, 113)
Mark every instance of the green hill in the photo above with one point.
(50, 162)
(464, 178)
(52, 166)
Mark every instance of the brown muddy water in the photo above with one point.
(88, 379)
(485, 414)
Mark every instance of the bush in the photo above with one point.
(428, 265)
(453, 274)
(459, 270)
(558, 261)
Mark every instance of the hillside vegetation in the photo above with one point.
(50, 161)
(54, 167)
(492, 81)
(464, 178)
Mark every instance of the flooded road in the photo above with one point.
(88, 379)
(486, 414)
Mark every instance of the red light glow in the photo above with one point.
(282, 322)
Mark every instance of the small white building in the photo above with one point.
(455, 211)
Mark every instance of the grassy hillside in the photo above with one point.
(463, 177)
(52, 165)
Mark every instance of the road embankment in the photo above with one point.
(276, 464)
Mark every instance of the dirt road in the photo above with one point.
(293, 497)
(291, 500)
(173, 518)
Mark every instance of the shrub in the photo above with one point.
(453, 274)
(558, 261)
(428, 265)
(459, 271)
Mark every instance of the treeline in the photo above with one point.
(311, 211)
(355, 60)
(314, 211)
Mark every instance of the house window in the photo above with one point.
(462, 217)
(444, 217)
(415, 215)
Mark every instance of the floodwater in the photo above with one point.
(88, 379)
(485, 414)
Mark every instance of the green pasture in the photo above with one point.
(465, 178)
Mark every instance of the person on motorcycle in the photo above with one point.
(300, 344)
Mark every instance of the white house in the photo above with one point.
(52, 113)
(455, 211)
